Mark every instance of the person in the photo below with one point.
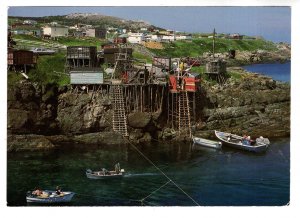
(58, 190)
(117, 168)
(37, 191)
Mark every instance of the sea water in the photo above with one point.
(278, 71)
(163, 175)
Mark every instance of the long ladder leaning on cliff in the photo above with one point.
(119, 115)
(184, 116)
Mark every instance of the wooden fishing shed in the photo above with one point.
(81, 57)
(20, 59)
(216, 69)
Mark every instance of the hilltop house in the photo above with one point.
(55, 31)
(26, 30)
(137, 38)
(156, 37)
(96, 32)
(29, 22)
(168, 38)
(183, 37)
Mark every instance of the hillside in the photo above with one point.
(87, 18)
(198, 46)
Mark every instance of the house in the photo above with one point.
(53, 23)
(29, 22)
(156, 37)
(236, 36)
(26, 30)
(55, 31)
(168, 38)
(183, 37)
(96, 32)
(137, 38)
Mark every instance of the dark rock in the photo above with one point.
(139, 120)
(28, 142)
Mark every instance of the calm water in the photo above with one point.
(210, 177)
(277, 71)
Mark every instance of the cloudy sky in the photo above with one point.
(273, 23)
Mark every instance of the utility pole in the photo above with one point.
(214, 43)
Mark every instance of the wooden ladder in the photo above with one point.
(119, 115)
(184, 117)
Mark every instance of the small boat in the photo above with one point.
(259, 145)
(49, 197)
(207, 143)
(105, 174)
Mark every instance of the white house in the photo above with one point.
(183, 37)
(136, 37)
(168, 38)
(156, 37)
(55, 31)
(30, 22)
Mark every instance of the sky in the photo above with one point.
(272, 23)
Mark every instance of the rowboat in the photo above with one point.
(207, 143)
(49, 196)
(259, 145)
(105, 174)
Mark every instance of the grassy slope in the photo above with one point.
(198, 46)
(51, 68)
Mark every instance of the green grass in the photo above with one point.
(235, 75)
(50, 69)
(72, 41)
(198, 46)
(140, 56)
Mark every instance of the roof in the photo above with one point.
(123, 36)
(55, 26)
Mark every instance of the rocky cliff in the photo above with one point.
(43, 117)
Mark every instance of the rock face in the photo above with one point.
(254, 105)
(82, 113)
(31, 109)
(42, 117)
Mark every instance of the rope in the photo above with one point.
(141, 153)
(155, 191)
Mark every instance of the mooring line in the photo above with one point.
(155, 191)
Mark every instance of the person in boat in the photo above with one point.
(58, 190)
(105, 171)
(117, 168)
(245, 140)
(37, 191)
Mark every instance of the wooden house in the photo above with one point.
(81, 57)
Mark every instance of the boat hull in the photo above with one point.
(96, 175)
(66, 197)
(207, 143)
(237, 144)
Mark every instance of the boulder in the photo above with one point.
(139, 120)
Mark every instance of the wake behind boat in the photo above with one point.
(49, 196)
(259, 145)
(105, 174)
(207, 143)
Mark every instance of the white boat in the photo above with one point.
(259, 145)
(105, 174)
(42, 51)
(49, 196)
(207, 143)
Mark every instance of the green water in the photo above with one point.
(209, 177)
